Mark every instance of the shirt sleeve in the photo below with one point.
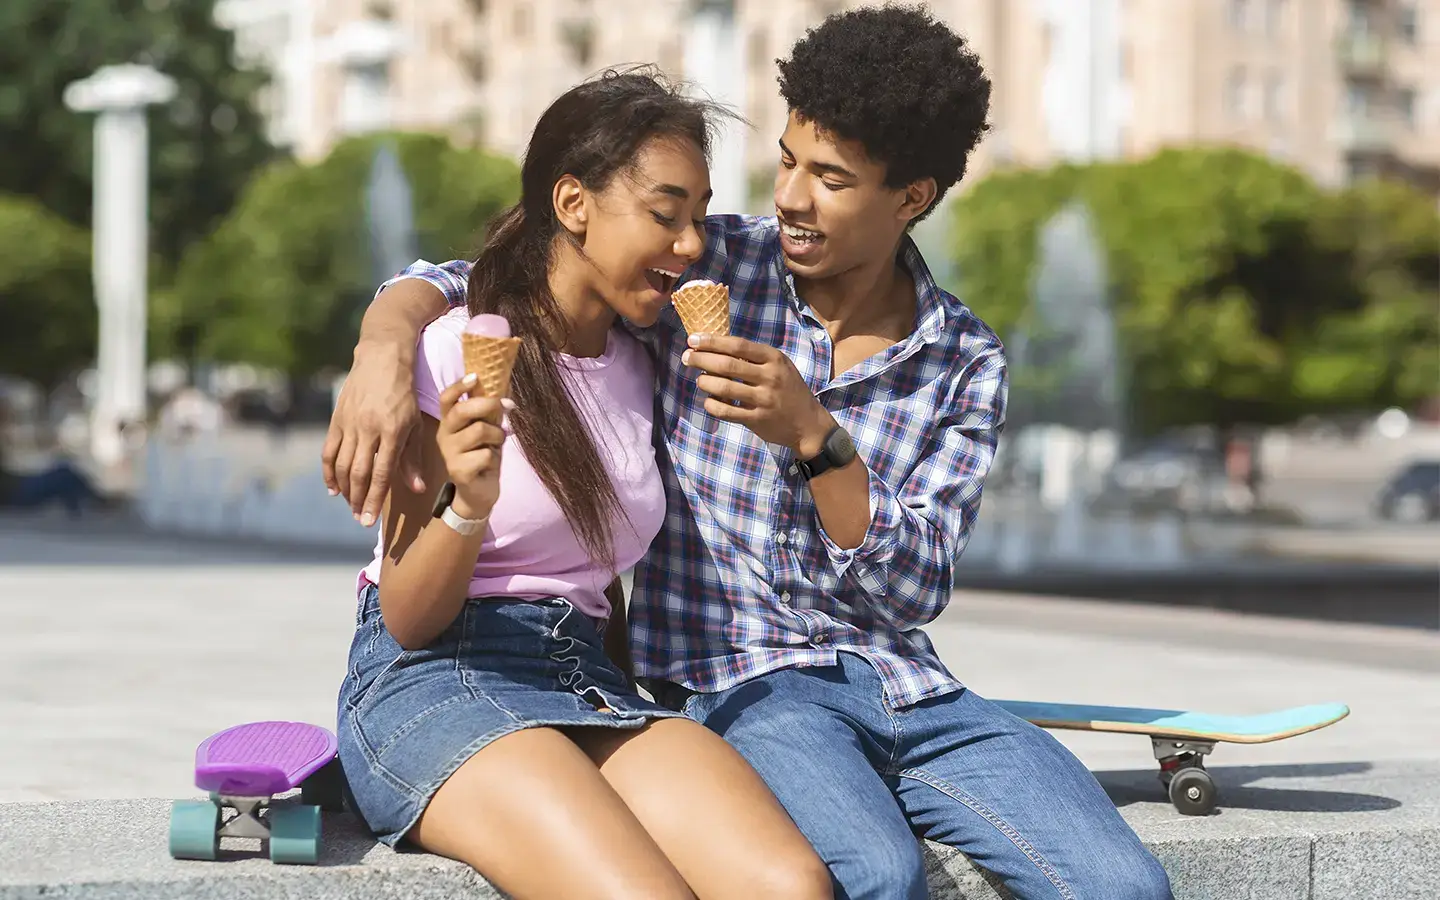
(451, 278)
(439, 363)
(918, 529)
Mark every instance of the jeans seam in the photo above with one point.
(897, 729)
(464, 654)
(385, 672)
(989, 815)
(373, 759)
(414, 722)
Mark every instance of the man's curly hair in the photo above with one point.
(902, 84)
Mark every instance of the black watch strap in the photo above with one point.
(443, 500)
(837, 451)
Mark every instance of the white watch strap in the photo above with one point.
(466, 527)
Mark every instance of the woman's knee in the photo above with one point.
(513, 811)
(796, 874)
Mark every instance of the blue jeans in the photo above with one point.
(61, 483)
(861, 781)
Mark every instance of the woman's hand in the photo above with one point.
(470, 438)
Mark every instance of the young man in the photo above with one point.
(823, 469)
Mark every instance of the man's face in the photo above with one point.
(835, 211)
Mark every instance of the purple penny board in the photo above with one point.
(261, 759)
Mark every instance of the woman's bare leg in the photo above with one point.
(532, 813)
(708, 811)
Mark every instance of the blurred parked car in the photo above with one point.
(1172, 472)
(1412, 495)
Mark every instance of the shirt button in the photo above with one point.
(785, 597)
(780, 538)
(794, 469)
(817, 335)
(821, 638)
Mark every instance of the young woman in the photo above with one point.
(481, 718)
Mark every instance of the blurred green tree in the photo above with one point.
(45, 299)
(1242, 293)
(285, 278)
(204, 145)
(1384, 348)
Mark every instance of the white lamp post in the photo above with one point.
(119, 95)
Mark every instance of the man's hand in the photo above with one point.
(757, 386)
(370, 432)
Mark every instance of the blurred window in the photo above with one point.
(1235, 88)
(1357, 99)
(1407, 21)
(1239, 14)
(1275, 98)
(1405, 106)
(1360, 18)
(1275, 17)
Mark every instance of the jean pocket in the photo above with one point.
(376, 657)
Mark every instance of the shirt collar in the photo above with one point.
(930, 299)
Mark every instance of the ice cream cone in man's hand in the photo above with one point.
(704, 307)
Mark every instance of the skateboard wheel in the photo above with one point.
(295, 834)
(1193, 792)
(326, 788)
(193, 827)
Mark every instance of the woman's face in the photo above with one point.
(646, 227)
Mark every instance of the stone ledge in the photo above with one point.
(1320, 832)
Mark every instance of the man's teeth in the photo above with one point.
(666, 272)
(799, 234)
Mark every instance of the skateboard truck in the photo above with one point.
(246, 823)
(1182, 771)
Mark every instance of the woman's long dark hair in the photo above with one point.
(594, 132)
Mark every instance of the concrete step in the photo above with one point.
(1343, 831)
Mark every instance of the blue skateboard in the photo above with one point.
(1181, 739)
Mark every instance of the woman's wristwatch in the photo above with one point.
(446, 513)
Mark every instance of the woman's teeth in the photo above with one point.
(665, 278)
(799, 234)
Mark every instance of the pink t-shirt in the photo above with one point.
(530, 552)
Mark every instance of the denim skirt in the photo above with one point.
(409, 718)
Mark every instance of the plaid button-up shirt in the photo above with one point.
(742, 579)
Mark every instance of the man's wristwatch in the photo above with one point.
(443, 511)
(837, 451)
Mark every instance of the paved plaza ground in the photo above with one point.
(119, 652)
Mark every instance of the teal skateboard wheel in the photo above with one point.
(193, 829)
(295, 835)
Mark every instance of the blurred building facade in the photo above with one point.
(1339, 88)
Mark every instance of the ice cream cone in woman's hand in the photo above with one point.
(490, 354)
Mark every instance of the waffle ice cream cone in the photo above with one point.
(490, 359)
(704, 307)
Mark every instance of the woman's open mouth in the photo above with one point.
(661, 280)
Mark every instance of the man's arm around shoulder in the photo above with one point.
(375, 414)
